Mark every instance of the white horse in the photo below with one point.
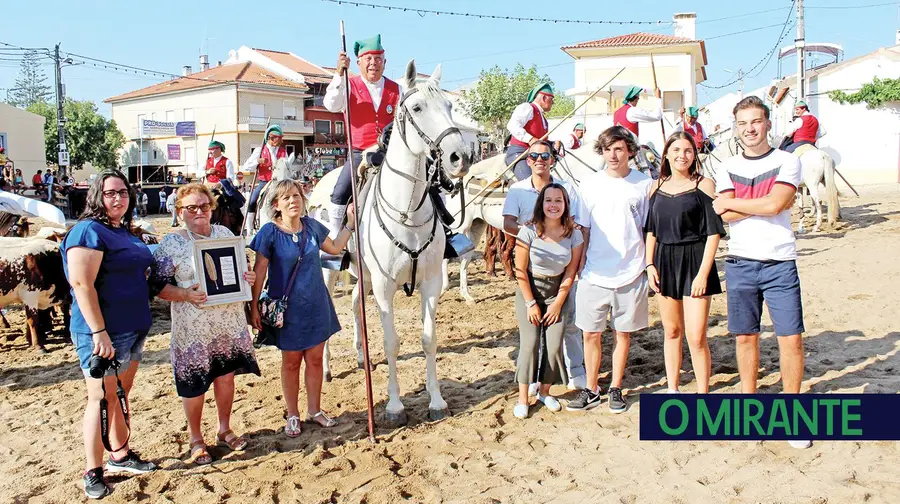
(402, 242)
(817, 167)
(484, 203)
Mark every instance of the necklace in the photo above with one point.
(293, 233)
(191, 234)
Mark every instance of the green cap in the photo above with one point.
(632, 92)
(801, 103)
(543, 87)
(369, 45)
(216, 143)
(274, 129)
(579, 126)
(693, 112)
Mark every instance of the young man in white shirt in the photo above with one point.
(518, 209)
(613, 278)
(756, 191)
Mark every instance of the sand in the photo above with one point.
(483, 454)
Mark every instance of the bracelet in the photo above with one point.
(98, 332)
(648, 266)
(348, 229)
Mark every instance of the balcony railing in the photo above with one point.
(251, 123)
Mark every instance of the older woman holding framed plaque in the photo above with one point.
(210, 338)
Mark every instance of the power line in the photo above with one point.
(423, 12)
(841, 7)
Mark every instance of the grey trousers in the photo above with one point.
(551, 365)
(573, 342)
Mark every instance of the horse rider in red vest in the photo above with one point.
(692, 127)
(804, 129)
(573, 140)
(262, 161)
(630, 116)
(218, 166)
(373, 100)
(528, 125)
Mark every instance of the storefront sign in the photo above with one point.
(174, 152)
(157, 128)
(329, 151)
(186, 129)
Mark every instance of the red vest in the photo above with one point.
(620, 118)
(264, 168)
(809, 131)
(221, 171)
(576, 142)
(536, 126)
(696, 132)
(367, 122)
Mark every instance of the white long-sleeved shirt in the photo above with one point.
(798, 122)
(253, 161)
(520, 116)
(639, 115)
(567, 140)
(336, 101)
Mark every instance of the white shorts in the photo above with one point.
(626, 307)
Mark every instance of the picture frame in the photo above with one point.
(219, 265)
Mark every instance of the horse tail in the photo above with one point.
(834, 206)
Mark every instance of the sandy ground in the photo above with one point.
(483, 454)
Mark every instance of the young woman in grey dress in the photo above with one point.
(548, 251)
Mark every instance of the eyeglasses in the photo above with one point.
(275, 137)
(123, 194)
(197, 208)
(534, 156)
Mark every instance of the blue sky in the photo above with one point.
(171, 34)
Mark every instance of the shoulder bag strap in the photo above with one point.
(303, 236)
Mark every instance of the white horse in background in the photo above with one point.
(282, 169)
(816, 166)
(484, 203)
(402, 240)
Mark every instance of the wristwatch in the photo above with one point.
(531, 303)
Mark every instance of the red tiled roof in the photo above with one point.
(248, 73)
(632, 40)
(293, 62)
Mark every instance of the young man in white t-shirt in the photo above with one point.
(518, 209)
(613, 279)
(756, 192)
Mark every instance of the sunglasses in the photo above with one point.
(197, 208)
(123, 194)
(534, 156)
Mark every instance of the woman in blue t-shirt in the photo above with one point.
(309, 319)
(107, 267)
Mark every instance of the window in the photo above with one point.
(257, 111)
(190, 156)
(289, 149)
(318, 100)
(673, 100)
(153, 116)
(188, 114)
(338, 127)
(170, 116)
(290, 111)
(3, 142)
(323, 127)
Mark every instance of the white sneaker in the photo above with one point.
(520, 411)
(577, 383)
(670, 391)
(550, 402)
(800, 445)
(533, 389)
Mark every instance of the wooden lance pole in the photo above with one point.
(256, 174)
(360, 281)
(662, 125)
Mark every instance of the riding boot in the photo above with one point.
(248, 222)
(336, 215)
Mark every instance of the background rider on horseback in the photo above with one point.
(262, 161)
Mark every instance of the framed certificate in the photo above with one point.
(219, 266)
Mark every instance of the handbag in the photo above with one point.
(271, 310)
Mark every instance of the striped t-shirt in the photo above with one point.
(756, 237)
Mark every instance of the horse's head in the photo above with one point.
(424, 122)
(285, 168)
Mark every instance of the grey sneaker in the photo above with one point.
(584, 401)
(95, 486)
(132, 463)
(617, 403)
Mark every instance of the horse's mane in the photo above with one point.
(430, 90)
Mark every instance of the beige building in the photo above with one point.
(170, 124)
(22, 137)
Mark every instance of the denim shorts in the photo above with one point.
(129, 348)
(749, 283)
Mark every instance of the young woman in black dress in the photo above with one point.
(683, 233)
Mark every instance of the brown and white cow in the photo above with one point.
(31, 273)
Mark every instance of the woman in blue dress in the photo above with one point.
(309, 319)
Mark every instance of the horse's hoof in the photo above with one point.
(396, 419)
(438, 414)
(328, 377)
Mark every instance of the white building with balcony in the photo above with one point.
(170, 124)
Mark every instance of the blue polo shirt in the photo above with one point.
(121, 280)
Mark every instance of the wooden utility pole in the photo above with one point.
(800, 44)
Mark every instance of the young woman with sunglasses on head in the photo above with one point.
(683, 233)
(209, 344)
(107, 266)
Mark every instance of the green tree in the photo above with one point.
(498, 91)
(874, 94)
(31, 86)
(90, 137)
